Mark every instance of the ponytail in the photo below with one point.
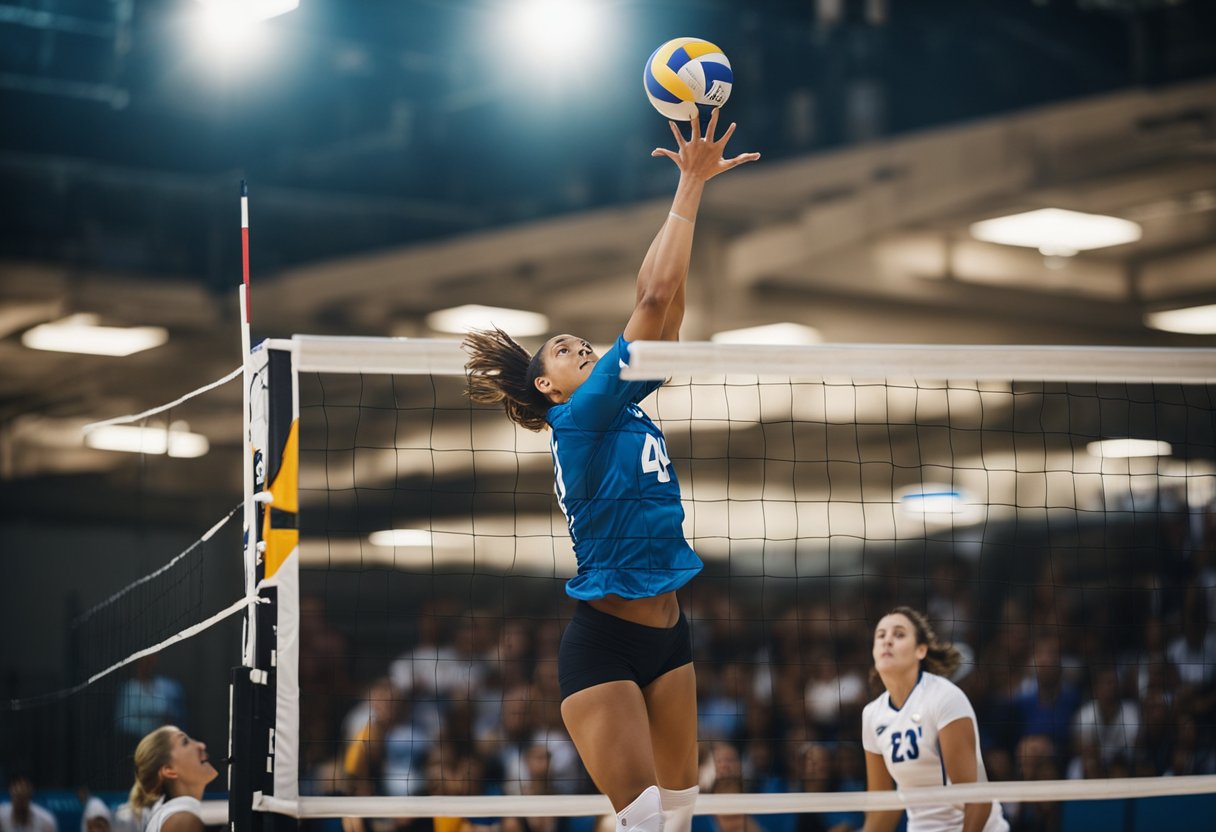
(500, 370)
(153, 752)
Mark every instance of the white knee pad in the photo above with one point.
(644, 814)
(678, 807)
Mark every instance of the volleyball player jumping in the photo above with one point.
(625, 663)
(922, 731)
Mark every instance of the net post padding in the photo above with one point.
(265, 694)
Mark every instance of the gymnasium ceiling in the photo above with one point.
(389, 178)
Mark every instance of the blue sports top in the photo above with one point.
(618, 489)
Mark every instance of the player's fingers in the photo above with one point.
(675, 131)
(662, 151)
(712, 127)
(726, 136)
(695, 123)
(741, 159)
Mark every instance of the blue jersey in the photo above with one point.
(618, 489)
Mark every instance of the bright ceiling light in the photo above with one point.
(517, 322)
(396, 538)
(549, 29)
(1191, 320)
(82, 334)
(177, 440)
(784, 333)
(1056, 231)
(930, 498)
(229, 25)
(1124, 448)
(250, 9)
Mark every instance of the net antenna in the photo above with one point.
(814, 378)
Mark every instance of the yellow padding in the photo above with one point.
(280, 543)
(286, 485)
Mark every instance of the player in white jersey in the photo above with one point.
(171, 771)
(922, 731)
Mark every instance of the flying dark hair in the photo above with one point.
(500, 370)
(942, 659)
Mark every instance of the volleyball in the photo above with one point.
(687, 76)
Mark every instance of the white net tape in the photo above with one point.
(752, 804)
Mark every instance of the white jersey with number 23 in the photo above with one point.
(907, 739)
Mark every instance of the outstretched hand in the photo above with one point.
(701, 155)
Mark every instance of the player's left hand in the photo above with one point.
(701, 155)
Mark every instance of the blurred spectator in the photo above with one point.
(566, 769)
(850, 777)
(722, 773)
(452, 772)
(325, 679)
(818, 775)
(831, 690)
(512, 657)
(21, 813)
(1155, 742)
(1036, 760)
(146, 702)
(432, 668)
(720, 701)
(96, 816)
(405, 746)
(1188, 757)
(504, 746)
(1194, 652)
(1106, 724)
(1149, 664)
(365, 753)
(1046, 703)
(950, 605)
(537, 781)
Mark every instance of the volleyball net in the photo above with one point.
(150, 613)
(1051, 509)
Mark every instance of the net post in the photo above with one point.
(265, 689)
(241, 752)
(273, 703)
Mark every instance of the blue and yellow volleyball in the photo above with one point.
(685, 76)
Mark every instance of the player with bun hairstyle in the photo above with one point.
(922, 731)
(171, 771)
(625, 662)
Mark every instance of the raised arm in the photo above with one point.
(675, 312)
(659, 305)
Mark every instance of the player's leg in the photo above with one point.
(671, 703)
(605, 714)
(610, 728)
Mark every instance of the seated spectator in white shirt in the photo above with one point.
(1108, 723)
(23, 814)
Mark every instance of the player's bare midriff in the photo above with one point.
(659, 611)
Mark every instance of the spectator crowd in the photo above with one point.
(1076, 674)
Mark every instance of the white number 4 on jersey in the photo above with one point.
(654, 458)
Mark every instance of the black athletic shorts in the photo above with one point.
(598, 647)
